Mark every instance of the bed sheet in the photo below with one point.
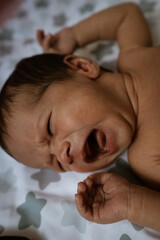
(39, 204)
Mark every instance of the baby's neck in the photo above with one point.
(131, 91)
(124, 99)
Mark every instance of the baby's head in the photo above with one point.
(32, 76)
(61, 112)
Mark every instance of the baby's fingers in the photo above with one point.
(83, 209)
(40, 36)
(47, 43)
(84, 199)
(81, 196)
(81, 187)
(88, 182)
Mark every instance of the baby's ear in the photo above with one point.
(83, 66)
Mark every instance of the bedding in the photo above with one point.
(39, 204)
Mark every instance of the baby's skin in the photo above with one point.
(104, 198)
(108, 198)
(119, 110)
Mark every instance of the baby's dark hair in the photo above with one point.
(34, 75)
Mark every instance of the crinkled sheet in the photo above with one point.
(40, 203)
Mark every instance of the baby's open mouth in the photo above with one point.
(96, 146)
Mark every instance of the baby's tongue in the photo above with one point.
(101, 139)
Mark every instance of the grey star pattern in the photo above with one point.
(60, 19)
(102, 50)
(88, 7)
(137, 227)
(30, 211)
(125, 237)
(41, 4)
(7, 180)
(147, 6)
(45, 177)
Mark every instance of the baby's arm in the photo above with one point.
(124, 23)
(107, 198)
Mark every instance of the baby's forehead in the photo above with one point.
(27, 96)
(23, 103)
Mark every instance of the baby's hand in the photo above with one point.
(63, 42)
(103, 198)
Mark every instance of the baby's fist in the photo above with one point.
(104, 198)
(63, 42)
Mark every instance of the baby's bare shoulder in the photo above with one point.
(144, 156)
(144, 152)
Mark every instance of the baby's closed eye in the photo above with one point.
(49, 127)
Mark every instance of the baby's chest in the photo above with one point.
(144, 152)
(147, 134)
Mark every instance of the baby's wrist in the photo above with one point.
(76, 36)
(135, 203)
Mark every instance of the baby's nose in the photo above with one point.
(71, 148)
(64, 153)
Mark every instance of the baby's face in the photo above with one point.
(77, 125)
